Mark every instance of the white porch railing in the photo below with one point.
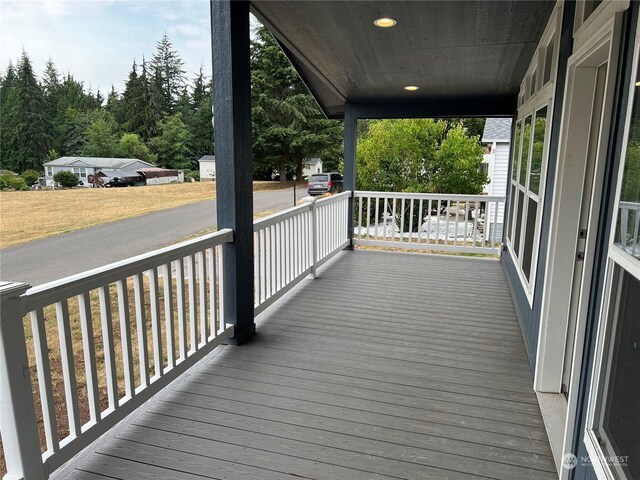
(290, 245)
(437, 222)
(630, 227)
(124, 318)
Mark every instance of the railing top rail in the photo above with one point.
(280, 216)
(57, 290)
(293, 211)
(630, 205)
(430, 196)
(334, 198)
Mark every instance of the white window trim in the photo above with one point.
(607, 318)
(542, 97)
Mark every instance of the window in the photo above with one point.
(612, 435)
(548, 63)
(49, 171)
(80, 172)
(525, 188)
(628, 223)
(525, 209)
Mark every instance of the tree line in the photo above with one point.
(165, 118)
(161, 116)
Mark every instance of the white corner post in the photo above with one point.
(17, 416)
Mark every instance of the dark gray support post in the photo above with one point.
(234, 169)
(350, 133)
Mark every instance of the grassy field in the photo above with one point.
(26, 216)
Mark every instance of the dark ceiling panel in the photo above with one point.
(451, 49)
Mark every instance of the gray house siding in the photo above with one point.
(529, 315)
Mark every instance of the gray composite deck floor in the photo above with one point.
(388, 365)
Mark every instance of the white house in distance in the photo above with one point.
(207, 168)
(311, 166)
(85, 166)
(496, 138)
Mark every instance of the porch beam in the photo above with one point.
(234, 169)
(480, 106)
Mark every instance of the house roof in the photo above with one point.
(95, 162)
(497, 130)
(459, 52)
(207, 158)
(312, 161)
(120, 174)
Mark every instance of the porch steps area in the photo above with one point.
(388, 365)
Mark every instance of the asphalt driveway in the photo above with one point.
(48, 259)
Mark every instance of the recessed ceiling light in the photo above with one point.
(385, 22)
(411, 88)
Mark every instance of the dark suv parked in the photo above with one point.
(320, 183)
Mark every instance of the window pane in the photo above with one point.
(516, 152)
(534, 79)
(548, 62)
(526, 137)
(518, 220)
(512, 202)
(589, 7)
(538, 147)
(529, 233)
(628, 226)
(621, 414)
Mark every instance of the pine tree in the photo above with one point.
(202, 116)
(116, 106)
(287, 123)
(50, 79)
(28, 122)
(133, 98)
(168, 73)
(8, 98)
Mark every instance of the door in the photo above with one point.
(583, 260)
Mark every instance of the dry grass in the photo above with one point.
(52, 333)
(26, 216)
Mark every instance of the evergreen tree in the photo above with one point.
(202, 115)
(168, 73)
(101, 136)
(287, 123)
(30, 129)
(115, 106)
(8, 98)
(172, 143)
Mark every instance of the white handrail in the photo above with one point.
(629, 221)
(292, 244)
(108, 292)
(429, 221)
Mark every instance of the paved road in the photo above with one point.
(42, 261)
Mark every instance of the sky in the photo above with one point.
(97, 40)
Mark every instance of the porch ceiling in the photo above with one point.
(453, 50)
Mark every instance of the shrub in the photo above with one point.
(66, 179)
(191, 174)
(12, 182)
(30, 176)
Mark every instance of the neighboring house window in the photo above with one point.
(49, 171)
(612, 436)
(80, 172)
